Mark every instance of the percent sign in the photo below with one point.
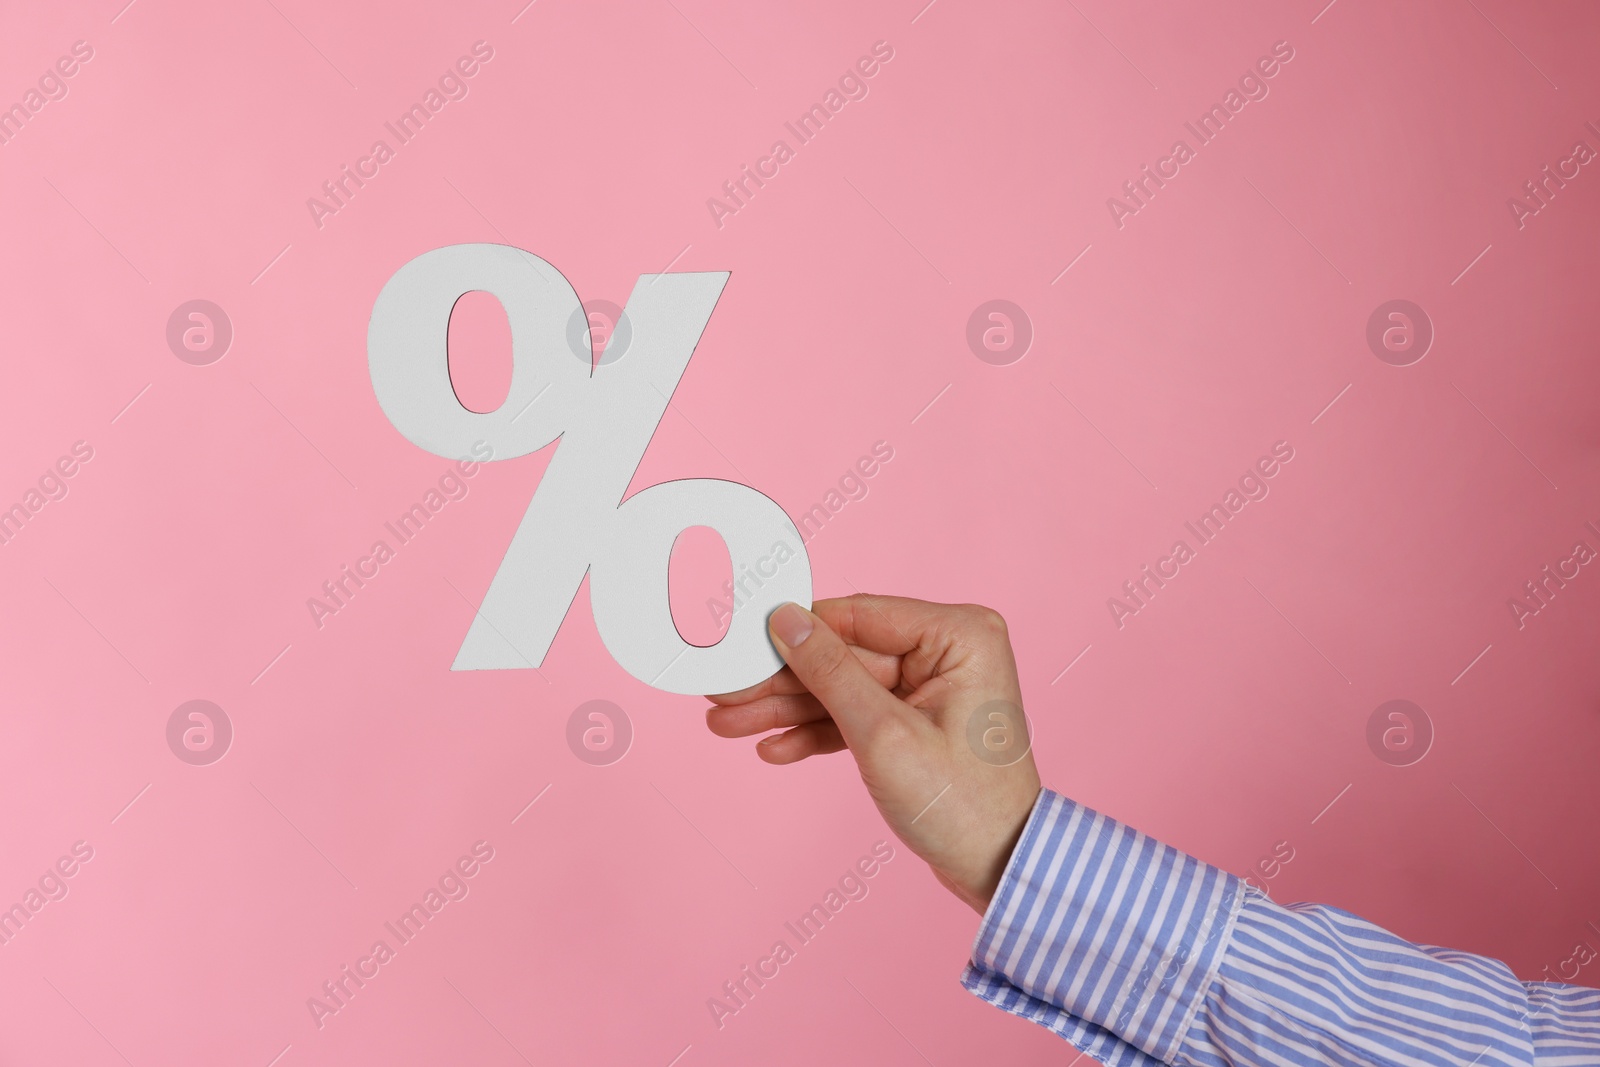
(604, 417)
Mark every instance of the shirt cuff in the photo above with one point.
(1108, 927)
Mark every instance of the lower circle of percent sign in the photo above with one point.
(604, 417)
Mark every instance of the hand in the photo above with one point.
(897, 682)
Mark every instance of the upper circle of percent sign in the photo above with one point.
(604, 416)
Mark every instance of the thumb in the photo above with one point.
(834, 675)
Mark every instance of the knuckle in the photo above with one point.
(828, 662)
(886, 732)
(860, 602)
(987, 619)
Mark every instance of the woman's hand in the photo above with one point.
(926, 697)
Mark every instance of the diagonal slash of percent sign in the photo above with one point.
(604, 417)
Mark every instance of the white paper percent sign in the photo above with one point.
(604, 417)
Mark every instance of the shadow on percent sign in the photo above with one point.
(604, 416)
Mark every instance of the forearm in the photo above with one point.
(1140, 954)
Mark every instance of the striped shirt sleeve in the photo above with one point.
(1142, 956)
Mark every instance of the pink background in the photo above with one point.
(1225, 316)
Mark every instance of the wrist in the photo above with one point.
(979, 890)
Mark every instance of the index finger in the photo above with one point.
(784, 683)
(882, 666)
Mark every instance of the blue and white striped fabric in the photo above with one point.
(1142, 956)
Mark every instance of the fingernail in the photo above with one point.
(791, 624)
(769, 740)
